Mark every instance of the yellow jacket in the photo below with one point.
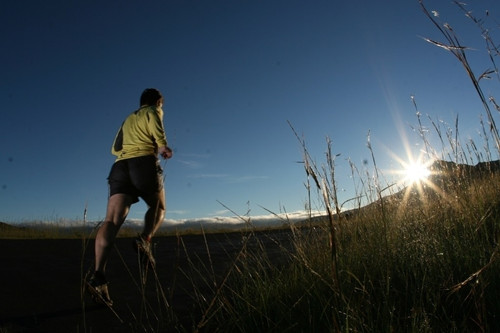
(140, 134)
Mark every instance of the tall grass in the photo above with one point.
(416, 262)
(423, 260)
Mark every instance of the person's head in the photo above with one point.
(151, 97)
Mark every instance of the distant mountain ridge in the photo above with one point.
(7, 227)
(445, 169)
(443, 175)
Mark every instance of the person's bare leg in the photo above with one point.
(154, 215)
(118, 208)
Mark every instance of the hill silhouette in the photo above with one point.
(8, 227)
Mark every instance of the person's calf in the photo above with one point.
(104, 243)
(152, 221)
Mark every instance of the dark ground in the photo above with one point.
(40, 288)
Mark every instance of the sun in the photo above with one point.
(416, 172)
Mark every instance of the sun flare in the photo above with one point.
(416, 172)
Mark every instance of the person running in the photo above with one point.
(136, 173)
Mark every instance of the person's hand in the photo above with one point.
(165, 152)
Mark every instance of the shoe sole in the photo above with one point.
(97, 296)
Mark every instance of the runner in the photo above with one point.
(135, 174)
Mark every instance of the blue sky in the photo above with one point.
(234, 73)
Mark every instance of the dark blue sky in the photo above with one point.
(233, 73)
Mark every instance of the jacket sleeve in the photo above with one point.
(156, 127)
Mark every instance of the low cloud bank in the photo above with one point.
(221, 223)
(229, 222)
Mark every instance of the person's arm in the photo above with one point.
(159, 135)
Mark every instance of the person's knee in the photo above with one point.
(157, 212)
(161, 207)
(156, 202)
(161, 212)
(118, 207)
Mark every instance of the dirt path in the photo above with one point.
(41, 283)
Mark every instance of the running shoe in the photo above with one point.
(144, 249)
(97, 286)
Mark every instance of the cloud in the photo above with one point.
(229, 178)
(244, 179)
(193, 155)
(208, 175)
(220, 212)
(178, 212)
(191, 164)
(258, 220)
(206, 223)
(190, 160)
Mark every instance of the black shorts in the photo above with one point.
(137, 177)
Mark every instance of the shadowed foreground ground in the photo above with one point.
(41, 283)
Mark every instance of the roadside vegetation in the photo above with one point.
(425, 258)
